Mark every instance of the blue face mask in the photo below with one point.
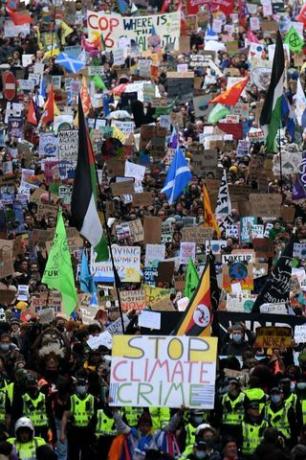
(237, 338)
(276, 399)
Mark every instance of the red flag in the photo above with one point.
(232, 128)
(231, 95)
(31, 116)
(48, 115)
(165, 6)
(19, 18)
(302, 15)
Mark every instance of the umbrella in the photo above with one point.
(72, 65)
(119, 115)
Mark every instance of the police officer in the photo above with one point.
(232, 409)
(105, 431)
(160, 417)
(81, 412)
(196, 417)
(281, 416)
(252, 428)
(132, 415)
(25, 443)
(35, 408)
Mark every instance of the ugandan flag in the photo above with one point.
(232, 94)
(198, 316)
(84, 213)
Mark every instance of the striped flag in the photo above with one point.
(198, 316)
(270, 118)
(84, 195)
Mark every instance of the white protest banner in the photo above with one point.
(119, 55)
(68, 141)
(127, 262)
(26, 85)
(113, 26)
(300, 334)
(104, 339)
(127, 127)
(150, 319)
(163, 371)
(134, 170)
(187, 251)
(48, 145)
(154, 254)
(10, 30)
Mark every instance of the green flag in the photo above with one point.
(192, 279)
(294, 40)
(98, 82)
(58, 273)
(217, 113)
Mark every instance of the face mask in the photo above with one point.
(292, 386)
(81, 389)
(237, 338)
(200, 454)
(276, 399)
(301, 385)
(197, 419)
(4, 346)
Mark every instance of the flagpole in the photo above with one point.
(280, 163)
(109, 241)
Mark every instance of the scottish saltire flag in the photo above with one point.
(288, 117)
(72, 65)
(177, 178)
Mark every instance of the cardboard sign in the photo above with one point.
(237, 268)
(300, 334)
(165, 271)
(162, 378)
(263, 247)
(196, 234)
(153, 138)
(265, 204)
(273, 337)
(7, 296)
(152, 229)
(136, 231)
(187, 251)
(6, 264)
(142, 199)
(122, 188)
(133, 300)
(154, 254)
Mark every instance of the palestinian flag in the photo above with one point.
(270, 118)
(198, 316)
(84, 214)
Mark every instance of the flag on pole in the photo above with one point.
(218, 112)
(19, 18)
(86, 279)
(224, 205)
(31, 115)
(277, 287)
(270, 118)
(178, 177)
(191, 279)
(209, 217)
(58, 273)
(232, 94)
(299, 102)
(69, 63)
(198, 315)
(48, 115)
(85, 98)
(302, 15)
(65, 32)
(84, 211)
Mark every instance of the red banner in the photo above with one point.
(226, 6)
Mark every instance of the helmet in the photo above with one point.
(24, 422)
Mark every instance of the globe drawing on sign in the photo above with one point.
(238, 271)
(201, 315)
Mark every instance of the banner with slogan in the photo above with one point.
(127, 262)
(159, 30)
(163, 371)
